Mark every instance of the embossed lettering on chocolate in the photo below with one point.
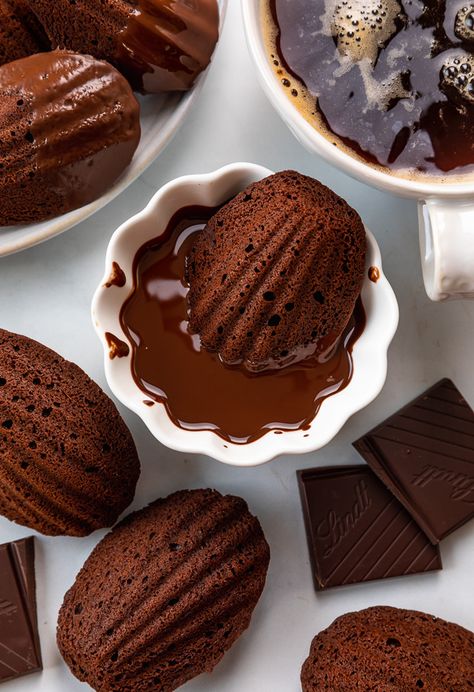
(68, 462)
(69, 126)
(159, 45)
(165, 594)
(357, 530)
(424, 454)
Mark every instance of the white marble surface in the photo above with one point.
(45, 292)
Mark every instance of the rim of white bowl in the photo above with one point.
(318, 143)
(369, 352)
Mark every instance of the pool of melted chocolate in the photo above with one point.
(392, 80)
(198, 390)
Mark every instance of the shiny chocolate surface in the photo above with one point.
(167, 43)
(198, 390)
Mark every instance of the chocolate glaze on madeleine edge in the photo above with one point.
(68, 462)
(158, 45)
(275, 274)
(165, 594)
(69, 126)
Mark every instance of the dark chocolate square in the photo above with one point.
(357, 530)
(19, 641)
(424, 454)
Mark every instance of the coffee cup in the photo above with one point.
(445, 210)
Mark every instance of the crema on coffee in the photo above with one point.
(391, 81)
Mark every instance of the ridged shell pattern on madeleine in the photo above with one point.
(68, 464)
(276, 270)
(165, 594)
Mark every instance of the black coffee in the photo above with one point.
(392, 79)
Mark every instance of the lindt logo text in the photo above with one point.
(334, 527)
(463, 486)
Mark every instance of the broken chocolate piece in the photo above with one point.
(424, 454)
(357, 531)
(20, 652)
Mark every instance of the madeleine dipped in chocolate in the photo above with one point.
(158, 45)
(69, 126)
(68, 464)
(275, 274)
(21, 34)
(165, 594)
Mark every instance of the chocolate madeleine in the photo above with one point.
(276, 273)
(69, 126)
(68, 462)
(21, 34)
(157, 44)
(384, 648)
(165, 594)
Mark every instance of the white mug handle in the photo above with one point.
(447, 248)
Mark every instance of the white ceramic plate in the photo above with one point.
(369, 352)
(161, 117)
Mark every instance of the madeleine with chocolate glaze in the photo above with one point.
(69, 126)
(275, 274)
(159, 45)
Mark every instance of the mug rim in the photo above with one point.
(315, 141)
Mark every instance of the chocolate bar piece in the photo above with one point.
(357, 531)
(424, 454)
(20, 652)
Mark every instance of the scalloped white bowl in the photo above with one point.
(369, 352)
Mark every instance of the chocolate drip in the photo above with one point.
(166, 44)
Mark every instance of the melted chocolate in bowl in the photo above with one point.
(198, 390)
(391, 81)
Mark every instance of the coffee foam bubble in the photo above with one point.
(304, 101)
(464, 25)
(360, 28)
(380, 94)
(457, 76)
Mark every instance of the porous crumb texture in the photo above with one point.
(168, 37)
(165, 594)
(85, 26)
(69, 125)
(68, 464)
(21, 33)
(387, 649)
(278, 267)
